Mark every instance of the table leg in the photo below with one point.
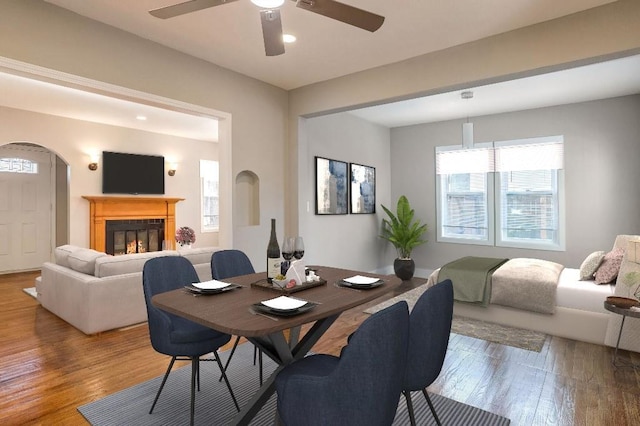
(622, 363)
(276, 347)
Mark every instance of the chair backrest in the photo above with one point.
(159, 275)
(230, 263)
(367, 382)
(429, 330)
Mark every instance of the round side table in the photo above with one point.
(625, 312)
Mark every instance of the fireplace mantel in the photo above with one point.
(103, 208)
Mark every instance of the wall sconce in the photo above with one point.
(171, 168)
(93, 158)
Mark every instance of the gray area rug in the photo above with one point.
(215, 407)
(491, 332)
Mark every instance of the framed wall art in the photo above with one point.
(332, 188)
(363, 189)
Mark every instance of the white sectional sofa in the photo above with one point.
(96, 292)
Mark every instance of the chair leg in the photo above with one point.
(224, 376)
(233, 349)
(164, 379)
(433, 410)
(412, 416)
(260, 364)
(195, 365)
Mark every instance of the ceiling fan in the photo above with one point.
(270, 16)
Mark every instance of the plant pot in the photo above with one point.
(404, 268)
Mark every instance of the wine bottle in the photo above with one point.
(273, 254)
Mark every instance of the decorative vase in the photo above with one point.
(404, 268)
(185, 246)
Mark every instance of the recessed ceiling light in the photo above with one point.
(268, 4)
(288, 38)
(141, 117)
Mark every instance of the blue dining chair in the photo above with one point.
(232, 263)
(176, 336)
(429, 330)
(360, 388)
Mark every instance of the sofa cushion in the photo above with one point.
(127, 263)
(61, 254)
(590, 265)
(84, 260)
(610, 266)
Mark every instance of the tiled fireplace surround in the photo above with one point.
(139, 212)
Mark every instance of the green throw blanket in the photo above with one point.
(471, 278)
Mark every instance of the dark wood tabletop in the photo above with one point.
(230, 312)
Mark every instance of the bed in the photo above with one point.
(572, 308)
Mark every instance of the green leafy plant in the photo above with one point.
(401, 230)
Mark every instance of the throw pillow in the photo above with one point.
(84, 260)
(590, 265)
(610, 266)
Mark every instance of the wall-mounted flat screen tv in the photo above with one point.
(132, 173)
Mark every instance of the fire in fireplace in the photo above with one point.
(134, 236)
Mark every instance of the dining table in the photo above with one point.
(278, 337)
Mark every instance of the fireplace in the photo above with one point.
(133, 210)
(134, 236)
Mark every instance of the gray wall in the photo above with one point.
(349, 241)
(602, 171)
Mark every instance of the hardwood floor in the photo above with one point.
(48, 368)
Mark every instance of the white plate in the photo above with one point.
(284, 303)
(211, 285)
(360, 280)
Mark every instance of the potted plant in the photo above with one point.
(405, 234)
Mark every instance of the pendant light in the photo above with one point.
(467, 128)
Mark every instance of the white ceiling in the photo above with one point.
(47, 98)
(231, 35)
(194, 34)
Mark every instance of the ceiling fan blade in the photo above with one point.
(272, 32)
(343, 13)
(186, 7)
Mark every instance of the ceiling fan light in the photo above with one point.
(268, 4)
(288, 38)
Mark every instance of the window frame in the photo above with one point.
(489, 196)
(494, 202)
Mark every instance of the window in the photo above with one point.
(464, 193)
(18, 165)
(210, 190)
(512, 187)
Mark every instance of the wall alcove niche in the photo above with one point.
(247, 191)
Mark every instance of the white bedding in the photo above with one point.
(582, 295)
(571, 292)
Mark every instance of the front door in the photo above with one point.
(25, 207)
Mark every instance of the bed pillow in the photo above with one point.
(590, 265)
(610, 266)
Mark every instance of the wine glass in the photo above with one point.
(287, 254)
(298, 248)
